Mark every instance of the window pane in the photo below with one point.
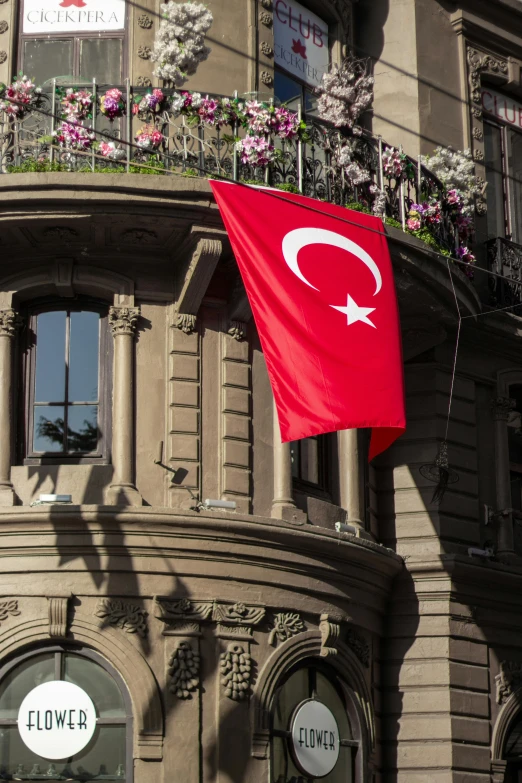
(294, 458)
(46, 59)
(310, 460)
(103, 756)
(83, 357)
(294, 691)
(82, 428)
(287, 90)
(329, 696)
(48, 428)
(100, 58)
(97, 683)
(515, 183)
(50, 357)
(17, 684)
(494, 177)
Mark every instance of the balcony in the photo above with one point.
(196, 145)
(505, 259)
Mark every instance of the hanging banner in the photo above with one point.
(300, 42)
(71, 16)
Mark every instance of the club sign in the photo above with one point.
(56, 720)
(314, 738)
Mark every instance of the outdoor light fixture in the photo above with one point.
(224, 504)
(48, 499)
(341, 527)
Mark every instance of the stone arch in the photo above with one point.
(306, 646)
(63, 278)
(125, 659)
(505, 718)
(507, 378)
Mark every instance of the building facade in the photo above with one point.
(134, 388)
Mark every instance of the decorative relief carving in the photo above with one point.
(3, 57)
(60, 233)
(57, 607)
(143, 81)
(10, 321)
(4, 27)
(478, 134)
(267, 78)
(182, 610)
(139, 236)
(8, 608)
(266, 4)
(330, 628)
(502, 407)
(359, 645)
(478, 155)
(236, 670)
(238, 614)
(477, 113)
(128, 617)
(508, 679)
(480, 63)
(481, 208)
(286, 625)
(186, 322)
(237, 330)
(123, 320)
(144, 52)
(267, 49)
(144, 21)
(265, 18)
(184, 671)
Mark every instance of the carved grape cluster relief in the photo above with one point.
(236, 670)
(184, 671)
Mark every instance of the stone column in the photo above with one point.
(9, 321)
(502, 407)
(122, 491)
(350, 482)
(283, 505)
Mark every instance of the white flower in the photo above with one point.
(346, 92)
(179, 46)
(456, 170)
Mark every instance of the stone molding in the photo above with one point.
(123, 320)
(182, 617)
(9, 608)
(501, 408)
(186, 322)
(10, 322)
(58, 607)
(183, 670)
(129, 617)
(330, 629)
(196, 262)
(508, 680)
(123, 656)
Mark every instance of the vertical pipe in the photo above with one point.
(299, 152)
(93, 121)
(53, 112)
(402, 197)
(128, 124)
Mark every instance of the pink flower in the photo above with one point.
(413, 224)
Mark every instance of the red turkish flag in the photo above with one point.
(320, 283)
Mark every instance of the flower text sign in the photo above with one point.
(52, 16)
(56, 720)
(300, 42)
(314, 739)
(503, 108)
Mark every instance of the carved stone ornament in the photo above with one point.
(144, 21)
(183, 610)
(238, 614)
(481, 208)
(480, 63)
(144, 81)
(265, 18)
(186, 322)
(330, 628)
(183, 671)
(60, 233)
(359, 646)
(10, 321)
(508, 679)
(237, 330)
(128, 617)
(267, 78)
(286, 625)
(266, 4)
(4, 27)
(139, 236)
(8, 608)
(144, 52)
(57, 607)
(236, 670)
(477, 113)
(478, 155)
(267, 49)
(3, 57)
(123, 320)
(478, 134)
(502, 407)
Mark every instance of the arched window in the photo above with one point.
(66, 372)
(108, 756)
(513, 752)
(311, 681)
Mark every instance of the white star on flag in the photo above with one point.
(355, 313)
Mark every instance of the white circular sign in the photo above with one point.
(315, 738)
(56, 720)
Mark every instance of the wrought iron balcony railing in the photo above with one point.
(309, 163)
(505, 258)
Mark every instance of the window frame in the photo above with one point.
(76, 36)
(314, 666)
(321, 489)
(512, 232)
(28, 352)
(60, 651)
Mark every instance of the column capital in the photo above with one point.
(10, 321)
(123, 320)
(502, 407)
